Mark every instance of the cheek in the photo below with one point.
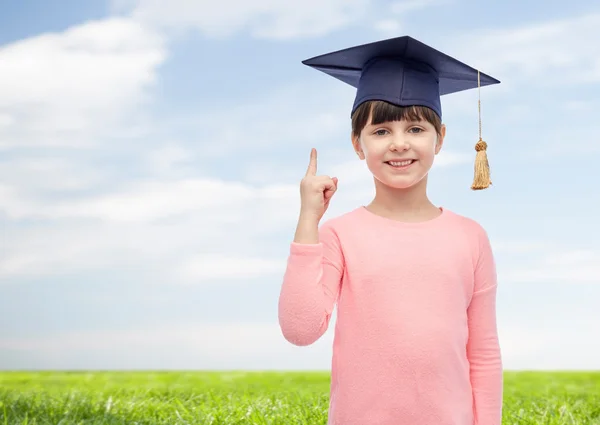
(427, 150)
(374, 151)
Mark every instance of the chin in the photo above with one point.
(402, 186)
(400, 183)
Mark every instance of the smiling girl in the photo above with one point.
(415, 285)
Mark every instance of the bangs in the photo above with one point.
(381, 112)
(386, 112)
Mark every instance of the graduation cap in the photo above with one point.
(405, 72)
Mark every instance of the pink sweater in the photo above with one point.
(415, 340)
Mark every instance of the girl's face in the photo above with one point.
(399, 153)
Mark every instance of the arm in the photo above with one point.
(311, 283)
(483, 348)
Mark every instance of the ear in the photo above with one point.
(440, 139)
(357, 147)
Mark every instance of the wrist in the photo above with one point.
(307, 231)
(309, 217)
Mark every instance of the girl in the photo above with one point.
(415, 285)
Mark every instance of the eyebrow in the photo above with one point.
(409, 121)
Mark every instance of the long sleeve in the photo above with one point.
(311, 285)
(483, 347)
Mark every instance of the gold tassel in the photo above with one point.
(482, 167)
(481, 180)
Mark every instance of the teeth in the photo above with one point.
(400, 164)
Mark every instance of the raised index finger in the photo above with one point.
(312, 165)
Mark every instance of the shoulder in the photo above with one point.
(472, 230)
(341, 229)
(484, 264)
(334, 236)
(342, 221)
(466, 224)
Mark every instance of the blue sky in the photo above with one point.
(151, 154)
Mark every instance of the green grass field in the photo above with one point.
(178, 398)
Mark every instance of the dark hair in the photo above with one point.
(385, 112)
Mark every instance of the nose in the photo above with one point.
(399, 144)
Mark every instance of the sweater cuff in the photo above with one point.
(305, 249)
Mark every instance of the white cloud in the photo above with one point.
(175, 215)
(310, 117)
(549, 54)
(569, 267)
(149, 201)
(261, 346)
(137, 202)
(388, 27)
(6, 120)
(199, 346)
(570, 345)
(521, 247)
(172, 226)
(38, 174)
(448, 158)
(267, 19)
(68, 88)
(211, 267)
(404, 6)
(169, 160)
(580, 106)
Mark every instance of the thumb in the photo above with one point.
(330, 191)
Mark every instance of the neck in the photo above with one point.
(404, 204)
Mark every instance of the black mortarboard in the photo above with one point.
(405, 72)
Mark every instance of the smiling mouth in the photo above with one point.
(401, 164)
